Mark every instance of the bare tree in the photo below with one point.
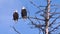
(48, 16)
(45, 25)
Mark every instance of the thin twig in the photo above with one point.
(15, 30)
(54, 21)
(36, 18)
(55, 28)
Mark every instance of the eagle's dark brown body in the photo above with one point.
(24, 13)
(15, 16)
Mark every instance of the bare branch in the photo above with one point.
(37, 7)
(39, 11)
(55, 13)
(56, 5)
(31, 21)
(34, 4)
(39, 26)
(55, 28)
(35, 18)
(54, 21)
(16, 30)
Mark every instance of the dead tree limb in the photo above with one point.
(16, 30)
(47, 16)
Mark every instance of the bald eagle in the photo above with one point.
(24, 13)
(15, 16)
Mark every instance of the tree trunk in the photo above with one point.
(47, 16)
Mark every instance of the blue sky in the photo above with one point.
(7, 8)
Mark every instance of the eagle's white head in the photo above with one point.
(15, 11)
(23, 7)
